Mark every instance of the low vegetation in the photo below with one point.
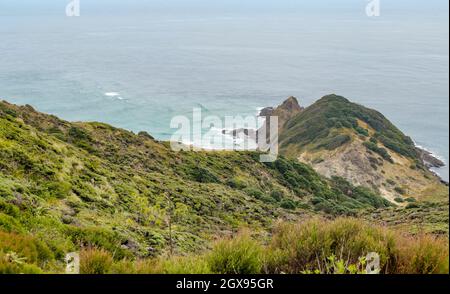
(311, 247)
(129, 204)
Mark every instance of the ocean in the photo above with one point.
(137, 64)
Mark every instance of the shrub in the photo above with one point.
(335, 142)
(141, 266)
(203, 175)
(277, 195)
(424, 254)
(241, 255)
(12, 263)
(9, 223)
(9, 209)
(59, 189)
(400, 190)
(258, 194)
(98, 238)
(362, 131)
(31, 249)
(307, 247)
(185, 265)
(288, 204)
(390, 182)
(95, 261)
(309, 244)
(412, 205)
(236, 183)
(379, 150)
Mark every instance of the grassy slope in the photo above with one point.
(315, 124)
(65, 185)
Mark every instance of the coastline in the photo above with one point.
(432, 161)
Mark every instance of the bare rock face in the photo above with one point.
(266, 111)
(287, 110)
(291, 104)
(429, 159)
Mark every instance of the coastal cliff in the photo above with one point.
(340, 138)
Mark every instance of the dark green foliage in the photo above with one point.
(362, 131)
(395, 142)
(412, 205)
(254, 192)
(9, 209)
(236, 184)
(336, 196)
(277, 195)
(390, 182)
(97, 237)
(80, 138)
(288, 204)
(314, 124)
(335, 142)
(400, 190)
(203, 175)
(379, 150)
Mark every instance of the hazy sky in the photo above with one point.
(405, 7)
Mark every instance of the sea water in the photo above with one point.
(137, 64)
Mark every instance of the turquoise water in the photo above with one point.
(138, 64)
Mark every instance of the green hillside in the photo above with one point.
(340, 138)
(68, 186)
(314, 127)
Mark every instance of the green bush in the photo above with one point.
(400, 190)
(424, 254)
(31, 249)
(253, 192)
(9, 209)
(95, 261)
(203, 175)
(236, 183)
(10, 223)
(335, 142)
(277, 195)
(59, 189)
(412, 205)
(12, 263)
(98, 238)
(310, 244)
(379, 150)
(288, 204)
(362, 131)
(241, 255)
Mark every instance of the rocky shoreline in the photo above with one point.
(431, 161)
